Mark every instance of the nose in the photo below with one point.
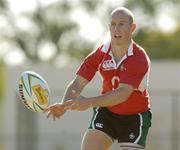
(117, 27)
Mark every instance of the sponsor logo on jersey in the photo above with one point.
(108, 65)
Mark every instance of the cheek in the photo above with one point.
(127, 32)
(111, 30)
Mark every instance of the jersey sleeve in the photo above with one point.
(135, 72)
(90, 65)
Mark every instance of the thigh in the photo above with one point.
(95, 140)
(104, 122)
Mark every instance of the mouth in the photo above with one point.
(117, 36)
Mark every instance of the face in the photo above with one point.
(121, 28)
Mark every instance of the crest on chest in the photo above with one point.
(108, 65)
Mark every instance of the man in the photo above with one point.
(122, 112)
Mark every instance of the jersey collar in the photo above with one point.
(129, 53)
(130, 49)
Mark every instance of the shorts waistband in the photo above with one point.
(105, 110)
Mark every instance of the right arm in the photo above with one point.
(85, 73)
(76, 85)
(57, 110)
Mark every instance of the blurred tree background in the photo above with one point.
(51, 31)
(2, 92)
(58, 31)
(63, 32)
(2, 81)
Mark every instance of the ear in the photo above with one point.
(133, 27)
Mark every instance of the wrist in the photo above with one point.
(91, 102)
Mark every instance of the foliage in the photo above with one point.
(160, 45)
(49, 24)
(146, 6)
(2, 81)
(53, 24)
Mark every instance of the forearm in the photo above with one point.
(68, 92)
(76, 85)
(111, 98)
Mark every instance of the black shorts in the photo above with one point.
(124, 128)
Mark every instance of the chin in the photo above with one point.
(118, 42)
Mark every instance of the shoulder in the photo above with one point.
(138, 59)
(101, 50)
(140, 54)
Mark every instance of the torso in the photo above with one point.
(123, 69)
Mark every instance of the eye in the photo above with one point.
(112, 24)
(121, 24)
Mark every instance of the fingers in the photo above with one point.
(49, 108)
(46, 110)
(49, 114)
(54, 111)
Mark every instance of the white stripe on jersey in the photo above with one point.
(145, 81)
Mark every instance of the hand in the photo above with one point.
(56, 110)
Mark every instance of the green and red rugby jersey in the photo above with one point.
(132, 69)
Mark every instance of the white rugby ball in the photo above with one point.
(33, 91)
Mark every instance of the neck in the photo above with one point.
(119, 50)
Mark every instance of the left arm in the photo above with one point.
(111, 98)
